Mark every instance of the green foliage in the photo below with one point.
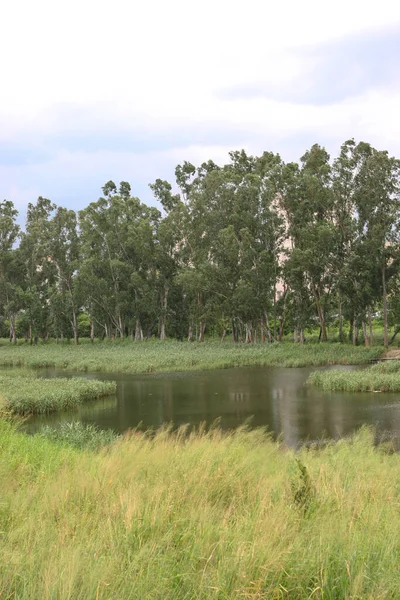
(24, 394)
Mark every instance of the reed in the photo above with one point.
(148, 357)
(28, 394)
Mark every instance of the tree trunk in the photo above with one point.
(202, 328)
(75, 327)
(302, 338)
(262, 328)
(366, 339)
(269, 333)
(249, 337)
(341, 336)
(164, 305)
(234, 331)
(371, 334)
(321, 316)
(92, 331)
(351, 328)
(190, 334)
(138, 331)
(384, 301)
(296, 335)
(355, 333)
(13, 332)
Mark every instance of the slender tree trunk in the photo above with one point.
(341, 335)
(75, 326)
(249, 338)
(351, 328)
(385, 315)
(366, 339)
(234, 331)
(13, 332)
(164, 305)
(223, 335)
(92, 331)
(202, 328)
(269, 333)
(262, 328)
(302, 338)
(138, 331)
(371, 333)
(190, 334)
(296, 335)
(321, 316)
(355, 333)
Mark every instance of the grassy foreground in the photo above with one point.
(382, 377)
(147, 357)
(27, 394)
(209, 516)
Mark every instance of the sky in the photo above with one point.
(126, 90)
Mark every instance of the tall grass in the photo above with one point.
(383, 377)
(145, 357)
(24, 394)
(203, 516)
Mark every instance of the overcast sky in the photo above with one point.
(125, 90)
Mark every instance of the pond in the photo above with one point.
(274, 397)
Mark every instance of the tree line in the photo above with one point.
(256, 248)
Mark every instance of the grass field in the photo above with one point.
(179, 356)
(382, 377)
(209, 516)
(27, 394)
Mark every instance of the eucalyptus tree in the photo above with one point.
(38, 280)
(308, 202)
(118, 245)
(377, 197)
(10, 288)
(63, 257)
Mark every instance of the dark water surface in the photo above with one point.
(273, 397)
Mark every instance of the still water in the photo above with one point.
(270, 396)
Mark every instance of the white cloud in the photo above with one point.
(86, 67)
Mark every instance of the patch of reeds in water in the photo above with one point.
(27, 394)
(379, 378)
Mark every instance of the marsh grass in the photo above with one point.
(79, 435)
(148, 357)
(28, 394)
(382, 377)
(198, 516)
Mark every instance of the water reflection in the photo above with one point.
(273, 397)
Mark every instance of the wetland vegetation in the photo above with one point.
(26, 394)
(180, 356)
(205, 515)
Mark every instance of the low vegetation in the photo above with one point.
(198, 516)
(382, 377)
(27, 394)
(78, 435)
(180, 356)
